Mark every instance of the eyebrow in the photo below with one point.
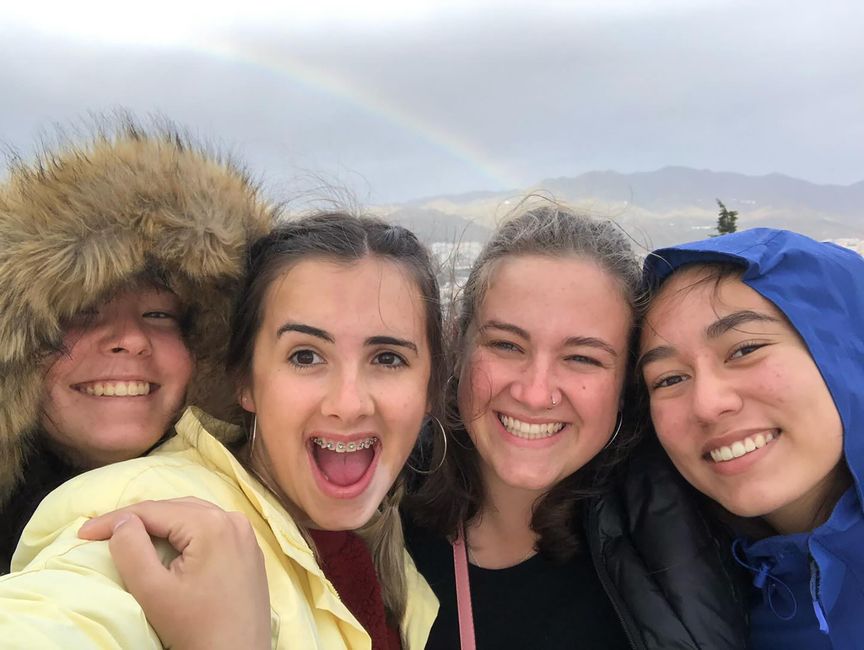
(592, 342)
(654, 354)
(391, 340)
(589, 341)
(714, 330)
(507, 327)
(326, 336)
(305, 329)
(733, 320)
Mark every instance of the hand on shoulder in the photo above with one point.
(214, 594)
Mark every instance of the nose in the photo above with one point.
(125, 335)
(714, 396)
(348, 397)
(534, 386)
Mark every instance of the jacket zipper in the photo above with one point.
(600, 569)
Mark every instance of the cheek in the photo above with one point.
(486, 379)
(668, 420)
(178, 359)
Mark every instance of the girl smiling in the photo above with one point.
(336, 351)
(752, 354)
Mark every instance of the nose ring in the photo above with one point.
(553, 403)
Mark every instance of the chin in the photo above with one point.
(337, 518)
(532, 483)
(742, 506)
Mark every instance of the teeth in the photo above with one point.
(342, 447)
(117, 388)
(741, 448)
(529, 431)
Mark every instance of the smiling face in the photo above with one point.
(340, 373)
(738, 402)
(548, 329)
(122, 380)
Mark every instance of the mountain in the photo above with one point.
(658, 208)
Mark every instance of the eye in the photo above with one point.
(667, 381)
(159, 315)
(581, 358)
(389, 360)
(744, 349)
(504, 346)
(305, 358)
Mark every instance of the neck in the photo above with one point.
(500, 536)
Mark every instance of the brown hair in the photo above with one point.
(454, 494)
(346, 239)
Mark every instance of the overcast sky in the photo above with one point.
(409, 98)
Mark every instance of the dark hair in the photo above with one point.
(346, 239)
(454, 494)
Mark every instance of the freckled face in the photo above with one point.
(737, 401)
(122, 381)
(339, 384)
(548, 329)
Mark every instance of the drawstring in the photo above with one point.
(814, 594)
(761, 581)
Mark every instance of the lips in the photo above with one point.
(344, 463)
(529, 430)
(116, 388)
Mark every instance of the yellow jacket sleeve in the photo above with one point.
(70, 596)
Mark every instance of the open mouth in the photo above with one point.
(344, 463)
(742, 447)
(529, 430)
(116, 388)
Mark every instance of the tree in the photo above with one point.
(727, 220)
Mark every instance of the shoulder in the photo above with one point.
(177, 473)
(672, 571)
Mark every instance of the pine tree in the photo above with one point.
(727, 220)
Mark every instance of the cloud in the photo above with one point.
(412, 99)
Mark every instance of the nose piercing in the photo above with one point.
(553, 402)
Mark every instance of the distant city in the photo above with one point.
(455, 259)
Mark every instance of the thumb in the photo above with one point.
(137, 562)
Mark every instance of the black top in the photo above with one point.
(535, 604)
(43, 472)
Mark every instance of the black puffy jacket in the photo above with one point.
(668, 573)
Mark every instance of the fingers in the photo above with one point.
(137, 561)
(160, 518)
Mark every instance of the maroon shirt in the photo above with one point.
(347, 564)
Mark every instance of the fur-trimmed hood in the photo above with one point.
(84, 220)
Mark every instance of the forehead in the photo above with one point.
(548, 291)
(692, 299)
(550, 278)
(369, 294)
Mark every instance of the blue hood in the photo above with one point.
(819, 287)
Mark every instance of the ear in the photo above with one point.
(247, 402)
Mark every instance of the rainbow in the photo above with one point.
(321, 80)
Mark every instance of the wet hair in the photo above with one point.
(454, 494)
(346, 239)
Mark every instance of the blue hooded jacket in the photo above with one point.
(812, 583)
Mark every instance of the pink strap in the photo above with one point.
(463, 592)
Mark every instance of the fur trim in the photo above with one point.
(85, 220)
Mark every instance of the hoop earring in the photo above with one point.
(617, 430)
(426, 472)
(254, 434)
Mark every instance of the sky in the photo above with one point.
(402, 99)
